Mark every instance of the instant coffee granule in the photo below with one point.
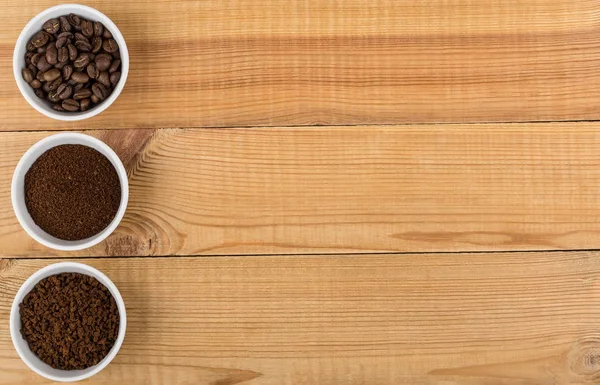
(72, 192)
(70, 321)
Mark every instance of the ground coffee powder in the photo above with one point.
(72, 192)
(70, 321)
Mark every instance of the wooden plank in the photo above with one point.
(344, 189)
(518, 318)
(279, 62)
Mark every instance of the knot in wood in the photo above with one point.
(584, 359)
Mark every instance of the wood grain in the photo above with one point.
(343, 189)
(279, 62)
(517, 318)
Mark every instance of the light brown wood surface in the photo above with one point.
(294, 164)
(343, 189)
(518, 318)
(281, 62)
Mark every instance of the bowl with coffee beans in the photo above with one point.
(68, 321)
(70, 62)
(69, 191)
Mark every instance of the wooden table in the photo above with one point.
(341, 192)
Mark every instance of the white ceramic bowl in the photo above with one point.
(18, 190)
(33, 27)
(20, 344)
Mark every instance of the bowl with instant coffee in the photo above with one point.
(69, 191)
(67, 321)
(70, 62)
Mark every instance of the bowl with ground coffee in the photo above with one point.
(70, 62)
(69, 191)
(68, 321)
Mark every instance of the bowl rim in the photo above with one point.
(37, 104)
(91, 271)
(109, 153)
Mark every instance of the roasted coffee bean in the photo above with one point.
(110, 45)
(92, 71)
(65, 26)
(96, 44)
(74, 20)
(100, 91)
(70, 105)
(67, 71)
(64, 91)
(35, 59)
(52, 74)
(82, 61)
(57, 107)
(114, 78)
(28, 56)
(79, 36)
(35, 84)
(27, 75)
(87, 28)
(43, 64)
(103, 61)
(62, 87)
(55, 84)
(63, 55)
(33, 69)
(84, 104)
(98, 28)
(82, 94)
(45, 48)
(40, 93)
(53, 96)
(80, 77)
(104, 78)
(52, 55)
(72, 52)
(114, 66)
(72, 59)
(61, 42)
(51, 26)
(40, 39)
(68, 35)
(83, 46)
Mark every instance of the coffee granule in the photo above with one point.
(70, 321)
(72, 192)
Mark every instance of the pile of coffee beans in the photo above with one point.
(70, 321)
(73, 63)
(72, 192)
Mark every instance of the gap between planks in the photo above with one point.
(314, 126)
(300, 255)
